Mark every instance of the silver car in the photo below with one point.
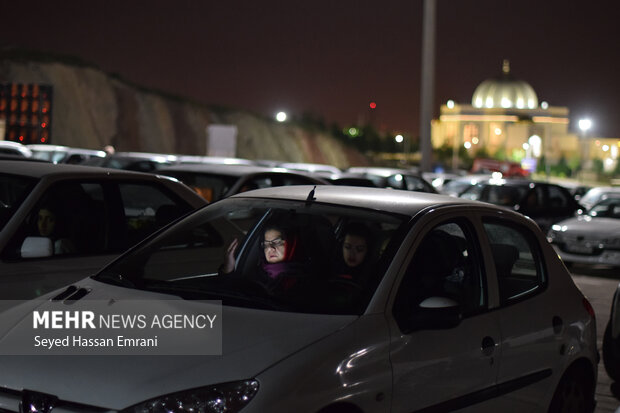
(458, 305)
(592, 238)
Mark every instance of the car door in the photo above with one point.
(530, 339)
(440, 360)
(97, 219)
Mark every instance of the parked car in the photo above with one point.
(134, 161)
(598, 193)
(214, 182)
(544, 202)
(611, 339)
(309, 167)
(590, 238)
(64, 154)
(97, 213)
(347, 178)
(217, 160)
(462, 305)
(15, 149)
(457, 186)
(394, 178)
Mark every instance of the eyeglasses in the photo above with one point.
(275, 243)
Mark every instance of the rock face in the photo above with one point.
(92, 109)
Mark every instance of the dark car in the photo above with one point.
(395, 178)
(59, 223)
(214, 182)
(544, 202)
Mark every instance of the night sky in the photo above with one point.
(332, 57)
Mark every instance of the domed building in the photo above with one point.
(506, 120)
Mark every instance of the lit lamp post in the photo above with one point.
(400, 139)
(585, 125)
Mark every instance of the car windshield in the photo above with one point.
(13, 191)
(608, 208)
(188, 259)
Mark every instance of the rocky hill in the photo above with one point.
(92, 109)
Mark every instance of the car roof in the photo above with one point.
(231, 170)
(381, 199)
(41, 169)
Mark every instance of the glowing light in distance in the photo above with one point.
(398, 138)
(474, 140)
(467, 145)
(281, 116)
(372, 105)
(450, 104)
(585, 124)
(498, 131)
(544, 105)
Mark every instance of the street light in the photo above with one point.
(585, 124)
(281, 116)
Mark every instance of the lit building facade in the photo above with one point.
(506, 119)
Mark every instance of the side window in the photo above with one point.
(517, 262)
(557, 198)
(72, 215)
(148, 208)
(444, 269)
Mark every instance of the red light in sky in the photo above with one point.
(21, 138)
(372, 105)
(43, 125)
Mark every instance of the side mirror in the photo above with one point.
(436, 313)
(37, 247)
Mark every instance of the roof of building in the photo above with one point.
(505, 92)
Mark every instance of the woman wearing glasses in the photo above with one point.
(278, 266)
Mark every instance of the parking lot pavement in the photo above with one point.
(600, 290)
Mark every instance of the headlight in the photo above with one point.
(219, 398)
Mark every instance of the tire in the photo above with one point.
(574, 394)
(611, 354)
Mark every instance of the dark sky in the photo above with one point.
(332, 57)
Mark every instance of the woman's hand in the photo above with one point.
(229, 260)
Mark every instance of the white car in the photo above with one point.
(459, 305)
(14, 148)
(64, 154)
(598, 193)
(98, 213)
(592, 238)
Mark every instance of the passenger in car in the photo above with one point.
(279, 267)
(50, 225)
(352, 264)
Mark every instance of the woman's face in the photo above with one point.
(46, 222)
(354, 250)
(274, 246)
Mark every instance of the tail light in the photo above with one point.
(589, 308)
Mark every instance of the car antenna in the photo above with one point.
(311, 197)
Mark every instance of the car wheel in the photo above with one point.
(611, 354)
(572, 395)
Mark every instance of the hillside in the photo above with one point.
(92, 109)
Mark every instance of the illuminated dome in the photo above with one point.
(505, 92)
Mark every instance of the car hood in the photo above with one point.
(597, 227)
(253, 341)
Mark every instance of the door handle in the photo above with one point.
(487, 346)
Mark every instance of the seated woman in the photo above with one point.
(278, 268)
(353, 263)
(50, 225)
